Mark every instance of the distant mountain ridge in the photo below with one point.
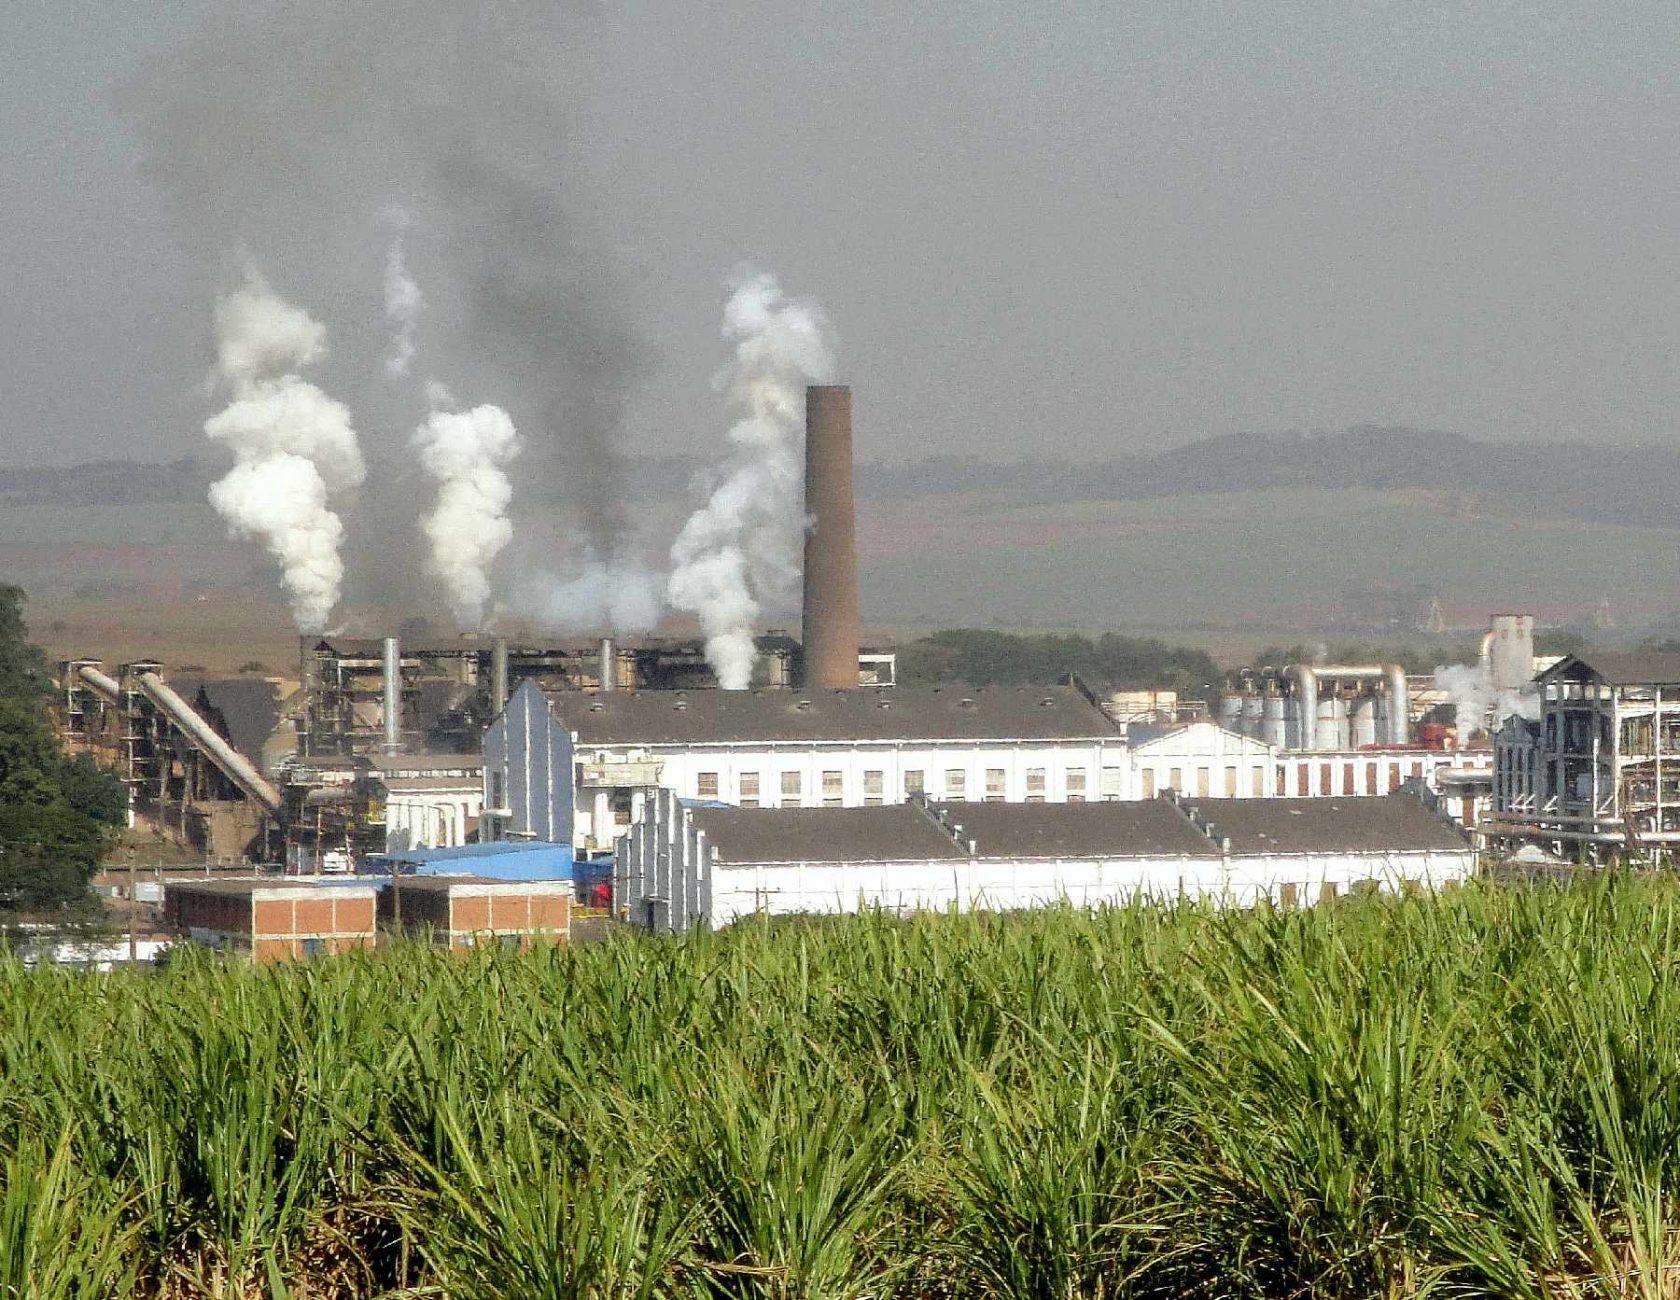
(1634, 486)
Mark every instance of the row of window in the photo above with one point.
(792, 791)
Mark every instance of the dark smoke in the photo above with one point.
(287, 134)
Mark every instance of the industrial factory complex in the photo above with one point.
(459, 785)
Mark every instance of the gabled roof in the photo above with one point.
(1195, 738)
(1620, 668)
(864, 714)
(1138, 828)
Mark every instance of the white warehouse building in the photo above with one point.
(682, 865)
(837, 749)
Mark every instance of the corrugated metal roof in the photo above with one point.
(1624, 668)
(864, 714)
(1395, 823)
(1143, 828)
(895, 833)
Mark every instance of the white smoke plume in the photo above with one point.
(741, 548)
(1477, 705)
(293, 445)
(465, 451)
(402, 304)
(618, 594)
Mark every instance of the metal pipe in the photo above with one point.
(498, 674)
(103, 685)
(607, 673)
(1306, 704)
(235, 765)
(1399, 705)
(392, 696)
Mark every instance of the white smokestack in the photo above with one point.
(402, 303)
(293, 445)
(465, 451)
(742, 547)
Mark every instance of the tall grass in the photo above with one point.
(1469, 1095)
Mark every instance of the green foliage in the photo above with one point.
(57, 815)
(981, 658)
(1475, 1095)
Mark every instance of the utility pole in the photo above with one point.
(133, 907)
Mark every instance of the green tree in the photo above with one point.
(58, 815)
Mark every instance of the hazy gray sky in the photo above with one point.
(1062, 229)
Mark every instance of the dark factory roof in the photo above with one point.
(1395, 823)
(864, 714)
(1120, 829)
(1148, 828)
(896, 833)
(243, 710)
(1621, 668)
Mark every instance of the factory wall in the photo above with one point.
(863, 774)
(528, 778)
(667, 876)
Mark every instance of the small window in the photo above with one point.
(1114, 784)
(914, 781)
(749, 789)
(1146, 784)
(995, 779)
(511, 942)
(706, 785)
(1076, 785)
(1202, 777)
(793, 791)
(956, 783)
(834, 789)
(1175, 779)
(498, 790)
(1230, 783)
(312, 947)
(874, 784)
(1035, 785)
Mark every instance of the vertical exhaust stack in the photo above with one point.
(607, 672)
(498, 675)
(392, 696)
(830, 623)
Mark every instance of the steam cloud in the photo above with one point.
(1475, 700)
(293, 445)
(402, 306)
(619, 594)
(468, 527)
(740, 549)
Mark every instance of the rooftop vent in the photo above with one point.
(596, 707)
(804, 706)
(681, 706)
(965, 703)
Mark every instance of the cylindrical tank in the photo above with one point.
(1363, 721)
(1230, 710)
(1253, 706)
(1274, 727)
(1324, 729)
(607, 671)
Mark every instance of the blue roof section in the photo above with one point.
(502, 860)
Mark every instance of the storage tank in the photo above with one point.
(1324, 730)
(1230, 711)
(1274, 722)
(1252, 708)
(1363, 721)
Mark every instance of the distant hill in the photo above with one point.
(1620, 485)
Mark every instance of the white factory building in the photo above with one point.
(878, 747)
(837, 748)
(682, 865)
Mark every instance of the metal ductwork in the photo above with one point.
(392, 695)
(101, 684)
(830, 614)
(237, 767)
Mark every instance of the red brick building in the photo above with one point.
(461, 911)
(271, 919)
